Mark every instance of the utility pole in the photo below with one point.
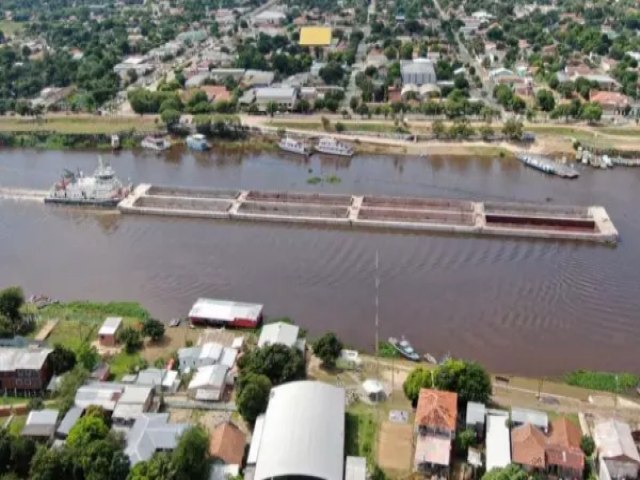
(377, 320)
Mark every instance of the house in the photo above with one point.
(101, 394)
(355, 468)
(208, 383)
(269, 17)
(108, 332)
(257, 78)
(152, 433)
(528, 448)
(315, 36)
(498, 445)
(159, 379)
(208, 312)
(475, 416)
(134, 401)
(282, 334)
(24, 370)
(565, 458)
(418, 72)
(611, 102)
(226, 446)
(301, 434)
(435, 423)
(497, 73)
(617, 453)
(40, 425)
(67, 423)
(136, 63)
(208, 353)
(522, 416)
(283, 97)
(192, 37)
(216, 93)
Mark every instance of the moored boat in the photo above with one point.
(198, 142)
(547, 165)
(291, 145)
(331, 146)
(404, 348)
(157, 144)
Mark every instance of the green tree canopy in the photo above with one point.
(11, 300)
(419, 377)
(87, 430)
(587, 445)
(131, 338)
(190, 458)
(278, 362)
(153, 328)
(545, 100)
(62, 359)
(468, 379)
(510, 472)
(253, 396)
(170, 117)
(328, 348)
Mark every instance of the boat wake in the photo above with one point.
(22, 194)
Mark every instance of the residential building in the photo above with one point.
(226, 446)
(611, 102)
(209, 383)
(475, 416)
(40, 425)
(301, 434)
(269, 17)
(435, 424)
(152, 433)
(192, 36)
(565, 458)
(101, 394)
(497, 73)
(257, 78)
(208, 312)
(355, 468)
(281, 333)
(24, 370)
(67, 423)
(208, 353)
(315, 36)
(418, 72)
(617, 453)
(159, 379)
(528, 448)
(140, 65)
(134, 401)
(107, 335)
(283, 97)
(498, 445)
(216, 93)
(522, 416)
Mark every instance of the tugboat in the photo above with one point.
(331, 146)
(405, 349)
(157, 144)
(198, 142)
(103, 189)
(293, 146)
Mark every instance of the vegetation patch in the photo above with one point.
(605, 381)
(360, 433)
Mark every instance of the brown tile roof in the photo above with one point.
(528, 446)
(227, 443)
(563, 445)
(216, 93)
(437, 409)
(610, 99)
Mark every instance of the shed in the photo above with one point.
(279, 333)
(109, 331)
(227, 443)
(40, 424)
(67, 423)
(498, 446)
(616, 448)
(355, 468)
(521, 416)
(208, 383)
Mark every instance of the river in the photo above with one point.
(519, 306)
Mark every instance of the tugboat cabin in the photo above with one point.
(223, 313)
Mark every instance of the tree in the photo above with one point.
(22, 451)
(419, 378)
(328, 348)
(512, 129)
(170, 117)
(189, 459)
(486, 132)
(86, 430)
(545, 100)
(272, 108)
(353, 103)
(35, 403)
(591, 112)
(406, 51)
(465, 439)
(438, 128)
(158, 467)
(62, 359)
(51, 464)
(339, 126)
(468, 379)
(131, 339)
(391, 53)
(587, 445)
(332, 73)
(153, 328)
(510, 472)
(87, 356)
(278, 362)
(253, 396)
(11, 300)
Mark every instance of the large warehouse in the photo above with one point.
(301, 434)
(224, 313)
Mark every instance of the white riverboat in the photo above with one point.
(331, 146)
(198, 142)
(157, 144)
(291, 145)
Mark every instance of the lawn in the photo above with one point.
(10, 400)
(360, 432)
(124, 363)
(604, 381)
(11, 28)
(79, 124)
(350, 126)
(17, 424)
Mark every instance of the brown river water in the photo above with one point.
(519, 306)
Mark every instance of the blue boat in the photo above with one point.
(198, 142)
(405, 349)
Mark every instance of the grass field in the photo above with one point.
(360, 434)
(11, 28)
(123, 363)
(349, 126)
(80, 125)
(17, 424)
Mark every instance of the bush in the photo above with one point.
(605, 381)
(587, 445)
(419, 378)
(153, 328)
(328, 348)
(131, 338)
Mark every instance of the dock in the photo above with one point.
(408, 214)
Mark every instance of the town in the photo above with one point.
(443, 69)
(95, 390)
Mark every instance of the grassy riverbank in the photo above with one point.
(80, 124)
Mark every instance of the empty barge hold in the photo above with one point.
(377, 212)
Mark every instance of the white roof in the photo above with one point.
(498, 440)
(275, 92)
(104, 395)
(372, 386)
(135, 394)
(355, 469)
(22, 358)
(110, 326)
(42, 417)
(212, 376)
(224, 311)
(613, 439)
(228, 358)
(303, 433)
(237, 342)
(256, 439)
(210, 351)
(152, 433)
(475, 413)
(279, 332)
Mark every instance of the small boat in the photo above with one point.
(198, 142)
(115, 141)
(293, 146)
(41, 301)
(175, 322)
(405, 349)
(157, 144)
(331, 146)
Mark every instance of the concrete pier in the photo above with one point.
(590, 224)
